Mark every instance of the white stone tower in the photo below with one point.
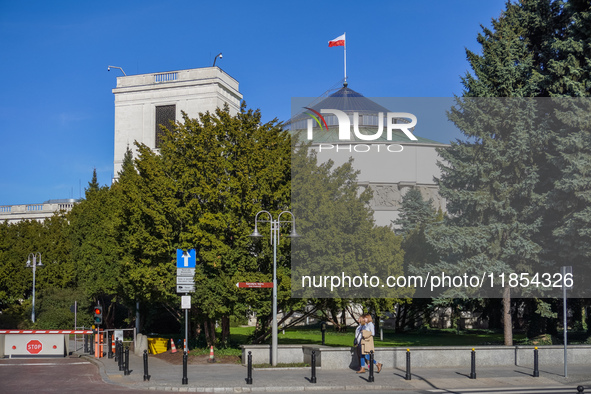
(144, 101)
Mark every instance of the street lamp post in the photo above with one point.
(275, 227)
(219, 55)
(34, 265)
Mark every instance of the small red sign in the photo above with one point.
(255, 285)
(34, 346)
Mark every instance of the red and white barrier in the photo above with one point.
(36, 343)
(45, 331)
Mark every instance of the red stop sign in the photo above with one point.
(34, 346)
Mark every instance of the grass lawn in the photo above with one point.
(448, 337)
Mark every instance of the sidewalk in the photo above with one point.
(232, 377)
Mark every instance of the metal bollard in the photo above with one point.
(110, 346)
(91, 344)
(408, 375)
(104, 342)
(536, 369)
(313, 361)
(126, 371)
(121, 356)
(473, 365)
(146, 376)
(370, 379)
(185, 358)
(249, 369)
(580, 389)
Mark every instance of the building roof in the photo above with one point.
(350, 101)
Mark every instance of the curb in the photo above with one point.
(101, 367)
(243, 389)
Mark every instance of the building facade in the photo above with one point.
(39, 212)
(390, 166)
(144, 102)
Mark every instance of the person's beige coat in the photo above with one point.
(366, 342)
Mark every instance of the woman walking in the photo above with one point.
(366, 345)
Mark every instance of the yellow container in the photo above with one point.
(157, 345)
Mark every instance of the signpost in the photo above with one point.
(185, 280)
(186, 259)
(255, 285)
(564, 271)
(185, 283)
(186, 302)
(180, 289)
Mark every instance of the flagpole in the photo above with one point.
(345, 34)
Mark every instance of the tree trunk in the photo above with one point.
(209, 328)
(398, 319)
(197, 330)
(403, 318)
(507, 320)
(110, 316)
(335, 320)
(206, 330)
(225, 329)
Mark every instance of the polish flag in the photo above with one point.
(337, 42)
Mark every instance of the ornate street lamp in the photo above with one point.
(34, 265)
(275, 227)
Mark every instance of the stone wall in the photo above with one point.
(421, 357)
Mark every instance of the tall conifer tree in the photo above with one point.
(499, 181)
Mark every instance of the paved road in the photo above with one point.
(54, 375)
(513, 390)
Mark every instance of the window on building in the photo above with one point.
(165, 114)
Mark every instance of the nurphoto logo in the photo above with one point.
(345, 124)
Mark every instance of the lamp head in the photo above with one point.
(109, 68)
(293, 233)
(255, 233)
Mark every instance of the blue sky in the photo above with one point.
(56, 103)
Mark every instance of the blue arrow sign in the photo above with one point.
(185, 259)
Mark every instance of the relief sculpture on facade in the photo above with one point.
(388, 197)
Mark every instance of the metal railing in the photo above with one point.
(166, 77)
(107, 335)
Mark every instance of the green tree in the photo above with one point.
(489, 180)
(93, 246)
(414, 212)
(499, 181)
(415, 216)
(17, 241)
(144, 231)
(202, 191)
(55, 309)
(338, 237)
